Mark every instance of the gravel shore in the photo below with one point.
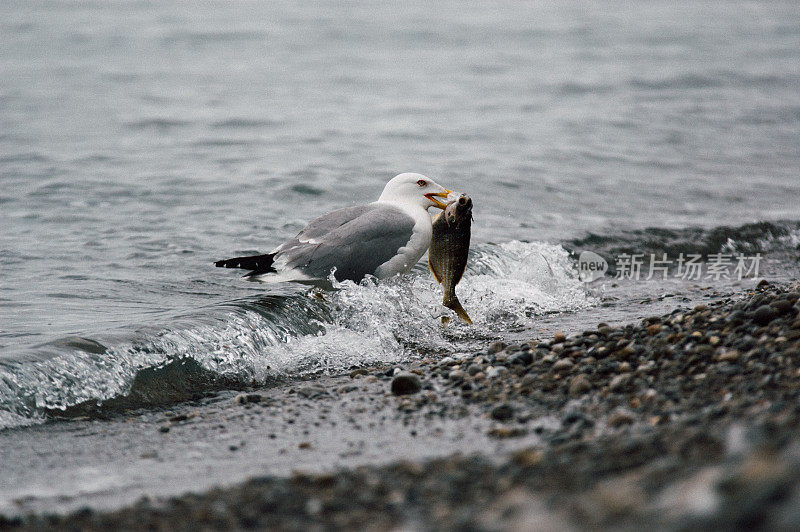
(689, 420)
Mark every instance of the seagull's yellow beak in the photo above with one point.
(436, 203)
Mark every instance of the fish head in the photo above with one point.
(459, 209)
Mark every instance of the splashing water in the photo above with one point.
(297, 332)
(517, 281)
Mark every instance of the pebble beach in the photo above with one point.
(688, 420)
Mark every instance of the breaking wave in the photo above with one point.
(290, 331)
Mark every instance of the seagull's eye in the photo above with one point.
(422, 182)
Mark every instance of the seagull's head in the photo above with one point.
(415, 189)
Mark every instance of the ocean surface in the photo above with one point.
(141, 141)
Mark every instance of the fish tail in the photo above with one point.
(455, 305)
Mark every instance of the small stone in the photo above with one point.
(559, 337)
(528, 457)
(647, 367)
(406, 383)
(457, 375)
(497, 347)
(563, 364)
(654, 329)
(524, 358)
(728, 356)
(782, 306)
(573, 416)
(619, 417)
(579, 385)
(649, 394)
(313, 392)
(246, 398)
(473, 369)
(313, 506)
(714, 340)
(619, 382)
(626, 352)
(163, 428)
(304, 445)
(502, 412)
(506, 432)
(360, 372)
(764, 314)
(494, 371)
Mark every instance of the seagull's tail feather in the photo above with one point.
(258, 264)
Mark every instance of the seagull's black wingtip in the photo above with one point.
(257, 263)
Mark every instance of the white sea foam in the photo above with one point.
(505, 287)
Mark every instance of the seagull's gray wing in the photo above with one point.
(355, 241)
(326, 223)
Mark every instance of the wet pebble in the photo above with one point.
(473, 369)
(563, 364)
(406, 383)
(502, 412)
(523, 358)
(619, 382)
(495, 371)
(764, 314)
(313, 392)
(457, 375)
(620, 416)
(245, 398)
(579, 384)
(497, 347)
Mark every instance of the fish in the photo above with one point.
(447, 255)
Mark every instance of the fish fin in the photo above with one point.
(455, 305)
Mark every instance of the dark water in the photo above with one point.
(140, 141)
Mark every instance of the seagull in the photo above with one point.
(384, 238)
